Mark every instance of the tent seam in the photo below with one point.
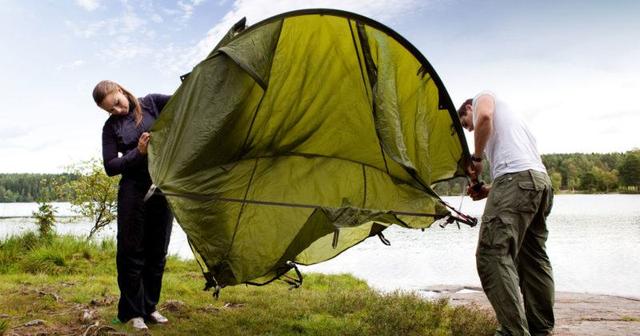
(371, 73)
(307, 155)
(355, 45)
(364, 179)
(246, 193)
(246, 69)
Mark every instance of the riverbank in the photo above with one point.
(67, 286)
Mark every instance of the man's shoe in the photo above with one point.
(138, 323)
(156, 317)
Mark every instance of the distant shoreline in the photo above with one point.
(557, 192)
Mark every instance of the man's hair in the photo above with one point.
(462, 111)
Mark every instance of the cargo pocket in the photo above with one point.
(496, 235)
(529, 198)
(499, 195)
(550, 195)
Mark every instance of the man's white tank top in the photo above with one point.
(511, 146)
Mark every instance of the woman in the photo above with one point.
(144, 228)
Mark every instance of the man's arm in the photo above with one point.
(483, 127)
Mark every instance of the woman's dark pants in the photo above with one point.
(144, 229)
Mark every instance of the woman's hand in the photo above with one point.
(143, 142)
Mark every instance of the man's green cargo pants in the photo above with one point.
(511, 256)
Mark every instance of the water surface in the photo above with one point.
(594, 246)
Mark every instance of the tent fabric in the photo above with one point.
(299, 137)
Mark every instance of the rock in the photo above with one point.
(104, 301)
(55, 296)
(173, 305)
(576, 313)
(34, 323)
(233, 305)
(87, 315)
(450, 289)
(210, 309)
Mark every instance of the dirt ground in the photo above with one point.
(576, 313)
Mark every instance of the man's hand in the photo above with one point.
(482, 193)
(475, 170)
(143, 142)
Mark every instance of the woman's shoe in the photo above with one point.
(138, 323)
(156, 317)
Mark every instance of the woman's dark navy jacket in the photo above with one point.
(120, 135)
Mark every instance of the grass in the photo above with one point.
(630, 319)
(3, 326)
(63, 278)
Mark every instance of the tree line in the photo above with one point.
(595, 172)
(32, 187)
(576, 172)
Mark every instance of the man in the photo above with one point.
(511, 256)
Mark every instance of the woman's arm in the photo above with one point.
(159, 100)
(114, 165)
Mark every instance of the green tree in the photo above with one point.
(589, 181)
(45, 216)
(609, 180)
(630, 169)
(572, 175)
(7, 195)
(556, 180)
(30, 187)
(92, 194)
(45, 219)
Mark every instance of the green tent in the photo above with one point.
(299, 137)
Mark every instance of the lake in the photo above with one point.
(594, 246)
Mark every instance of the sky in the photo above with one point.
(569, 67)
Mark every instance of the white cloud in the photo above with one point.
(87, 31)
(176, 61)
(129, 34)
(127, 23)
(130, 21)
(187, 7)
(89, 5)
(569, 107)
(157, 18)
(10, 130)
(125, 48)
(71, 66)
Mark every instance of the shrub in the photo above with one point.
(45, 218)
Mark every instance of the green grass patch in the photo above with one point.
(32, 254)
(63, 278)
(3, 326)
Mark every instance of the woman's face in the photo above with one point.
(115, 103)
